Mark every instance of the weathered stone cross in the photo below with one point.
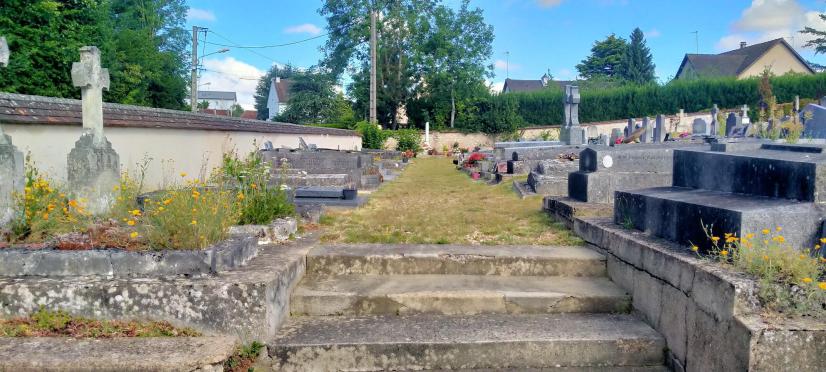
(91, 79)
(4, 61)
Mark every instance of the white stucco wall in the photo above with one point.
(779, 59)
(172, 150)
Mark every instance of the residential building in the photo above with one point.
(518, 86)
(218, 100)
(279, 96)
(745, 62)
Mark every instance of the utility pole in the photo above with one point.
(193, 94)
(373, 46)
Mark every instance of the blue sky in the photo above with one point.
(539, 35)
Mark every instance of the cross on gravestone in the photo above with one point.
(12, 178)
(744, 115)
(4, 52)
(731, 122)
(571, 133)
(91, 79)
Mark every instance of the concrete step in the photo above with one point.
(465, 342)
(675, 213)
(378, 259)
(456, 295)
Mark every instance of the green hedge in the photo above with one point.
(545, 108)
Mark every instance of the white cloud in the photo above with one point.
(496, 87)
(765, 20)
(501, 64)
(653, 33)
(195, 14)
(231, 75)
(307, 28)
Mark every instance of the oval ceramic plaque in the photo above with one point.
(607, 161)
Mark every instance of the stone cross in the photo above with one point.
(572, 100)
(796, 104)
(744, 115)
(4, 52)
(91, 79)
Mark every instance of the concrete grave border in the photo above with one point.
(118, 263)
(709, 316)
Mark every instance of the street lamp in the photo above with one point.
(196, 63)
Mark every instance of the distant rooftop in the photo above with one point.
(214, 94)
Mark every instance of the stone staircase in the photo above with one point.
(420, 307)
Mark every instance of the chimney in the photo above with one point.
(743, 44)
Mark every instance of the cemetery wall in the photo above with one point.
(176, 141)
(470, 140)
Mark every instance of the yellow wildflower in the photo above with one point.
(695, 248)
(731, 239)
(822, 285)
(73, 203)
(45, 216)
(134, 235)
(240, 196)
(765, 258)
(183, 174)
(802, 256)
(779, 239)
(130, 222)
(807, 280)
(765, 231)
(724, 253)
(161, 209)
(62, 195)
(136, 212)
(254, 186)
(715, 238)
(193, 223)
(749, 236)
(778, 228)
(822, 240)
(167, 201)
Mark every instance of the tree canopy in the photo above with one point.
(818, 40)
(637, 63)
(605, 58)
(143, 44)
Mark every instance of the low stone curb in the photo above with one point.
(117, 263)
(277, 231)
(201, 354)
(709, 316)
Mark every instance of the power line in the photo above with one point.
(235, 45)
(271, 46)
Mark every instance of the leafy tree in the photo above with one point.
(311, 99)
(203, 105)
(819, 37)
(637, 63)
(606, 56)
(44, 37)
(236, 111)
(142, 43)
(453, 54)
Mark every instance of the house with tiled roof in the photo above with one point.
(522, 86)
(218, 100)
(279, 96)
(745, 62)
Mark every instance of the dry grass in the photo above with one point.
(433, 203)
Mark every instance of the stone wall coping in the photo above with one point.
(118, 263)
(29, 109)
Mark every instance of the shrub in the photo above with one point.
(408, 140)
(261, 201)
(189, 216)
(372, 137)
(790, 281)
(42, 211)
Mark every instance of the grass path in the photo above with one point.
(432, 202)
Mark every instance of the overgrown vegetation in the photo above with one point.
(408, 140)
(372, 137)
(243, 358)
(791, 281)
(261, 200)
(47, 323)
(432, 203)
